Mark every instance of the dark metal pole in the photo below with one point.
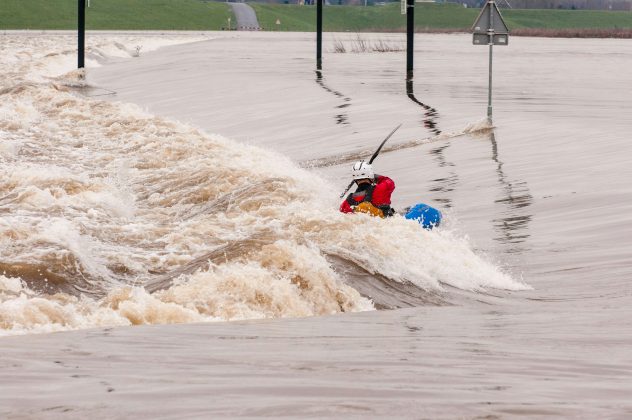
(319, 34)
(82, 33)
(490, 33)
(410, 36)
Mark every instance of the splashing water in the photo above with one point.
(112, 216)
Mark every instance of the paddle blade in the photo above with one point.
(377, 152)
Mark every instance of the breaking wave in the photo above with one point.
(113, 216)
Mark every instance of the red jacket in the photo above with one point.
(381, 194)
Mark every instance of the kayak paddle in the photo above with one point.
(377, 152)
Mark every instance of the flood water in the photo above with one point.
(215, 197)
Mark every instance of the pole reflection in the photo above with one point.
(513, 225)
(342, 117)
(444, 186)
(430, 115)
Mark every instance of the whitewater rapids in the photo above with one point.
(114, 216)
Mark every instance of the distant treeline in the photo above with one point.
(554, 4)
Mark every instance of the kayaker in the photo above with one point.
(373, 194)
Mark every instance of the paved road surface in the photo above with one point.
(246, 17)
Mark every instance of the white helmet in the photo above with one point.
(362, 170)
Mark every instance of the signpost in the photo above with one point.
(81, 28)
(319, 34)
(490, 29)
(410, 36)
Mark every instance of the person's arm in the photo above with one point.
(345, 207)
(383, 190)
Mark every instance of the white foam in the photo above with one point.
(37, 59)
(107, 196)
(9, 148)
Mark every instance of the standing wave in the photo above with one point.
(113, 216)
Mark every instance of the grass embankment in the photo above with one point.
(115, 14)
(362, 19)
(441, 17)
(205, 15)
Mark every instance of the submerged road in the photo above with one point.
(246, 17)
(450, 362)
(547, 195)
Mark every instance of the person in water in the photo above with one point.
(373, 195)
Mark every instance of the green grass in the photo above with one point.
(203, 15)
(361, 19)
(115, 14)
(427, 17)
(567, 19)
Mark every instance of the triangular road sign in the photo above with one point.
(482, 23)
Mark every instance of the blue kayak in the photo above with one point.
(428, 217)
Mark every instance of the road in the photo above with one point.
(246, 17)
